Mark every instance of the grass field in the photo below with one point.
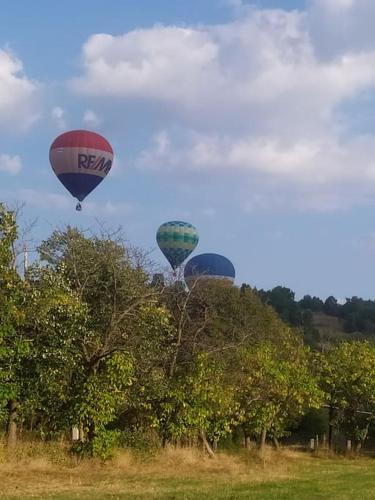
(186, 474)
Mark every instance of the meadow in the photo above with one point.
(47, 471)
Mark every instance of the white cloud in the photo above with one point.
(146, 63)
(10, 164)
(261, 60)
(257, 97)
(336, 5)
(58, 117)
(57, 201)
(17, 94)
(341, 26)
(91, 119)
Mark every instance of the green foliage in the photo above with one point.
(54, 322)
(355, 317)
(14, 348)
(88, 339)
(141, 439)
(347, 375)
(127, 331)
(282, 300)
(104, 443)
(199, 400)
(102, 394)
(275, 388)
(314, 304)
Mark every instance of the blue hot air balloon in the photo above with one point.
(209, 266)
(81, 160)
(177, 239)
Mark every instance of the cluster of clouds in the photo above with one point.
(10, 164)
(17, 94)
(262, 98)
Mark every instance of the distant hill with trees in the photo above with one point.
(322, 322)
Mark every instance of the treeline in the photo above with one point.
(89, 340)
(356, 316)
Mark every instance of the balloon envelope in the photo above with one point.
(81, 159)
(209, 266)
(177, 239)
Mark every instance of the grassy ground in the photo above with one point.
(185, 474)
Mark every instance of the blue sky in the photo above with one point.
(252, 120)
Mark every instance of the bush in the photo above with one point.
(101, 446)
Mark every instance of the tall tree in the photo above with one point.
(274, 388)
(124, 319)
(13, 347)
(54, 322)
(348, 379)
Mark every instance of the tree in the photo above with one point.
(123, 316)
(13, 347)
(274, 389)
(199, 402)
(54, 322)
(347, 376)
(214, 322)
(331, 307)
(313, 304)
(358, 315)
(282, 300)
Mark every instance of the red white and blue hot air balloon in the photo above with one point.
(81, 159)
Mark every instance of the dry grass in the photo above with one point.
(42, 471)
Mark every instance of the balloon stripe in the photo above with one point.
(70, 160)
(80, 185)
(82, 138)
(177, 239)
(209, 266)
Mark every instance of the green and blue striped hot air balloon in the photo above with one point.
(177, 239)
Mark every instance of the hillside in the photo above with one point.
(323, 322)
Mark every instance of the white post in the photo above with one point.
(75, 434)
(312, 444)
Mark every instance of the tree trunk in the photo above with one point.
(214, 445)
(247, 442)
(263, 438)
(32, 421)
(330, 429)
(12, 423)
(361, 442)
(246, 438)
(276, 443)
(206, 444)
(91, 432)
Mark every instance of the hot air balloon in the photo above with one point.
(209, 266)
(80, 159)
(177, 239)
